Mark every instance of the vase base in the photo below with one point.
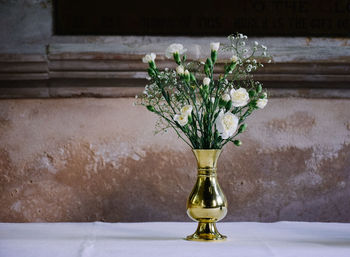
(206, 231)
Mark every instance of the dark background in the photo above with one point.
(192, 18)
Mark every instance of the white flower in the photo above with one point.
(249, 68)
(186, 110)
(149, 58)
(256, 43)
(187, 73)
(181, 119)
(262, 103)
(180, 70)
(239, 97)
(212, 99)
(234, 58)
(226, 124)
(226, 97)
(214, 46)
(263, 47)
(206, 81)
(242, 43)
(174, 48)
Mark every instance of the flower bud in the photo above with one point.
(152, 65)
(234, 58)
(177, 58)
(214, 56)
(206, 81)
(209, 63)
(151, 72)
(187, 75)
(237, 142)
(150, 108)
(189, 118)
(242, 128)
(180, 70)
(226, 97)
(258, 88)
(263, 95)
(214, 46)
(206, 69)
(192, 77)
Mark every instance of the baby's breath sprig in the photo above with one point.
(206, 113)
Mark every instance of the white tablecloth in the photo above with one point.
(165, 239)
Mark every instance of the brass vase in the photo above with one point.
(207, 203)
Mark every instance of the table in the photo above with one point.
(292, 239)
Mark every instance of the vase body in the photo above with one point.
(207, 203)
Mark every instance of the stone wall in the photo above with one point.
(98, 159)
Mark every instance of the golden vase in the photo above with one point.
(207, 203)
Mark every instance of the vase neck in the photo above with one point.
(206, 160)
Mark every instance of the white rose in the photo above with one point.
(214, 46)
(239, 97)
(226, 97)
(149, 58)
(186, 110)
(174, 48)
(180, 70)
(181, 119)
(262, 103)
(226, 124)
(206, 81)
(234, 58)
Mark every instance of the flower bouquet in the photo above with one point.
(207, 111)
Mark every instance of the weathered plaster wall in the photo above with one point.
(97, 159)
(25, 25)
